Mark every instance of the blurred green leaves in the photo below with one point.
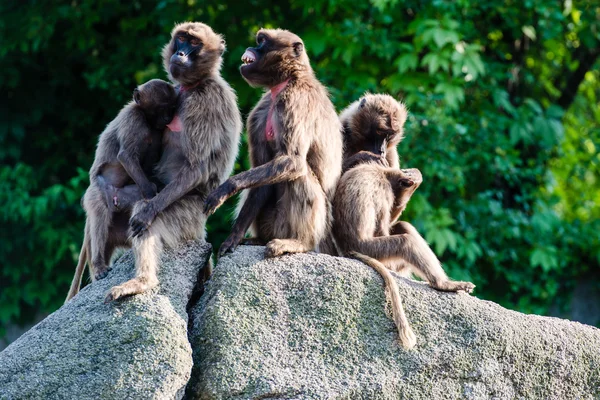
(502, 125)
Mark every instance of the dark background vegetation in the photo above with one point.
(504, 125)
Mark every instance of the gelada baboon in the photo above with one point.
(199, 151)
(127, 150)
(373, 127)
(369, 198)
(295, 145)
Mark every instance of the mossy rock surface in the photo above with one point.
(311, 326)
(132, 349)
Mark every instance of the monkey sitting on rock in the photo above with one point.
(199, 151)
(372, 193)
(295, 145)
(127, 151)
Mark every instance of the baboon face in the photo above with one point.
(411, 178)
(277, 56)
(408, 182)
(194, 51)
(158, 100)
(378, 124)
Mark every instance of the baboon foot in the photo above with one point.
(252, 242)
(101, 273)
(454, 286)
(229, 245)
(129, 288)
(278, 247)
(408, 339)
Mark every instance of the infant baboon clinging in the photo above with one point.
(127, 150)
(370, 196)
(295, 146)
(199, 151)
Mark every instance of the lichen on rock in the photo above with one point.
(131, 349)
(312, 326)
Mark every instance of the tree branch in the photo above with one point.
(586, 60)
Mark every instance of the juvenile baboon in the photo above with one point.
(127, 151)
(199, 151)
(369, 198)
(295, 145)
(373, 127)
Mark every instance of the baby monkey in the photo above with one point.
(127, 151)
(131, 145)
(372, 193)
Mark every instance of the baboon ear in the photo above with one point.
(137, 97)
(222, 46)
(298, 48)
(362, 102)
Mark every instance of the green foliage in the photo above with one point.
(504, 125)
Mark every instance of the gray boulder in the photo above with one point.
(312, 326)
(133, 349)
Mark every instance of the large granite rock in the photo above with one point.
(314, 327)
(133, 349)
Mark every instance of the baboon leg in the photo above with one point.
(252, 241)
(277, 247)
(398, 265)
(99, 218)
(127, 196)
(181, 221)
(118, 235)
(301, 220)
(411, 247)
(251, 203)
(119, 199)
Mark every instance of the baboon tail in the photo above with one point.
(83, 257)
(407, 336)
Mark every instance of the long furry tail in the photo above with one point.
(83, 258)
(406, 334)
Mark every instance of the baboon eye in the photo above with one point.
(260, 40)
(195, 42)
(181, 39)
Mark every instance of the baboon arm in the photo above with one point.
(186, 180)
(396, 212)
(132, 165)
(255, 201)
(280, 169)
(393, 159)
(257, 198)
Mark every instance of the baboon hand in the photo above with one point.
(218, 197)
(229, 245)
(141, 220)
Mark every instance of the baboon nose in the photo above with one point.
(180, 53)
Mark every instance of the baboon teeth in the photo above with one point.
(248, 57)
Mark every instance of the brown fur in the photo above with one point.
(368, 121)
(369, 198)
(407, 336)
(294, 174)
(194, 161)
(127, 151)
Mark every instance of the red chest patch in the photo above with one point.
(175, 124)
(270, 129)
